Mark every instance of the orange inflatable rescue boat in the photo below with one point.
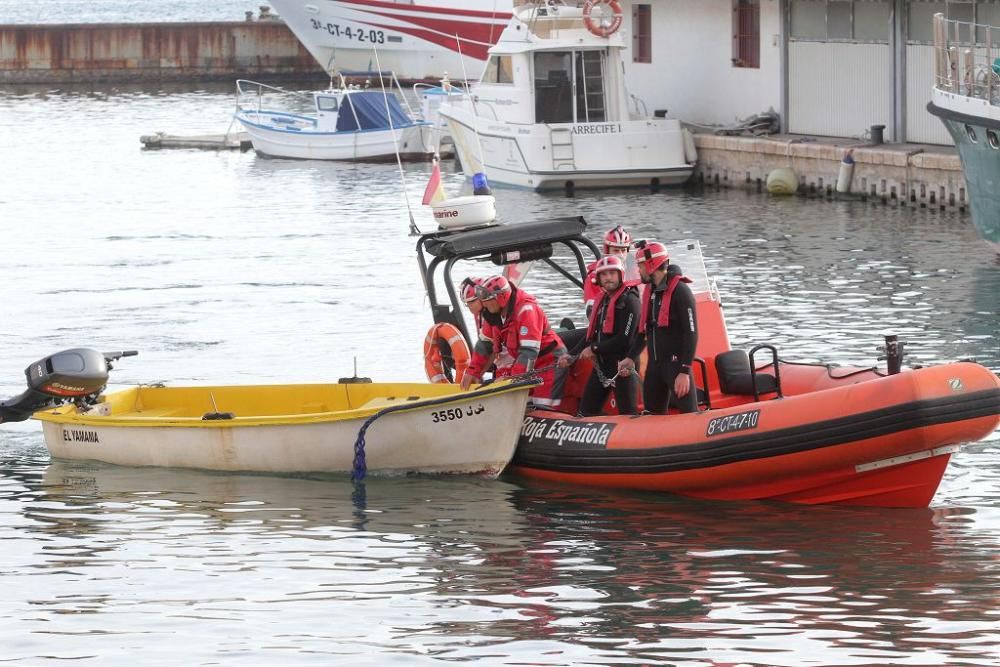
(769, 428)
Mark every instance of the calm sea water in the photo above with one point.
(226, 267)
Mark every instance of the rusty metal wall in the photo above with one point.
(151, 51)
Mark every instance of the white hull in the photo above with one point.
(416, 41)
(425, 440)
(414, 142)
(589, 155)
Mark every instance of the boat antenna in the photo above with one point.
(472, 98)
(414, 230)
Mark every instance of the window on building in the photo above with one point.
(642, 40)
(840, 20)
(499, 69)
(746, 33)
(872, 21)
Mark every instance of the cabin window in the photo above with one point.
(553, 87)
(642, 33)
(324, 103)
(499, 69)
(746, 33)
(569, 87)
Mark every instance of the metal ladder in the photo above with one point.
(593, 86)
(561, 142)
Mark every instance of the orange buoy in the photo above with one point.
(434, 361)
(600, 26)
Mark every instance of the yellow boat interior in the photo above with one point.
(254, 404)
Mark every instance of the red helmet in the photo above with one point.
(652, 255)
(494, 287)
(617, 238)
(609, 263)
(469, 293)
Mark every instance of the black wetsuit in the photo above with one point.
(609, 349)
(669, 349)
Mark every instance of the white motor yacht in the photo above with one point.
(551, 109)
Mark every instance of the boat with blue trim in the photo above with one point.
(345, 122)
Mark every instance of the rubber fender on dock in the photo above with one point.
(782, 181)
(690, 151)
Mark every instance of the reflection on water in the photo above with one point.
(227, 267)
(474, 569)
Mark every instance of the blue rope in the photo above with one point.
(360, 468)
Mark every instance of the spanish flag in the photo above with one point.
(434, 193)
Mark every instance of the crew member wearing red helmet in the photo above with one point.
(669, 330)
(617, 242)
(613, 324)
(525, 333)
(487, 325)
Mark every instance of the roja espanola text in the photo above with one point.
(559, 432)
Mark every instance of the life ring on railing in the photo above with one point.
(600, 26)
(433, 359)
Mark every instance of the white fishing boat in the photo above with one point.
(417, 40)
(339, 123)
(552, 110)
(395, 428)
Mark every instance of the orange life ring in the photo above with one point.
(434, 362)
(597, 26)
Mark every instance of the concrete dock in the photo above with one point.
(131, 52)
(905, 174)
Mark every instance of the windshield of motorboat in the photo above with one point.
(687, 255)
(326, 102)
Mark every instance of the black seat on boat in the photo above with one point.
(733, 368)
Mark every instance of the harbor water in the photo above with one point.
(227, 267)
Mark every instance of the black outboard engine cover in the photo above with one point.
(69, 374)
(65, 376)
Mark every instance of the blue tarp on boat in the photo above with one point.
(366, 111)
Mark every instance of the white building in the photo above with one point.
(828, 67)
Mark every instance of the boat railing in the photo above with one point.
(253, 96)
(546, 18)
(641, 110)
(967, 59)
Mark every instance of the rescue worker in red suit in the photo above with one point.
(487, 325)
(614, 320)
(617, 242)
(524, 333)
(669, 330)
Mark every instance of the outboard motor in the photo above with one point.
(78, 375)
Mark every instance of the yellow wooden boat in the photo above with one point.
(401, 428)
